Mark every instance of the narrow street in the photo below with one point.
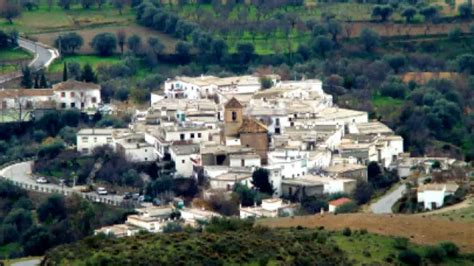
(384, 204)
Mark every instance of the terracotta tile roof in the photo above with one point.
(252, 126)
(339, 201)
(13, 93)
(75, 85)
(233, 103)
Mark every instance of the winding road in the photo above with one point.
(44, 56)
(385, 203)
(21, 173)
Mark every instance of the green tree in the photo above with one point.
(409, 13)
(362, 192)
(134, 43)
(65, 78)
(68, 43)
(53, 209)
(410, 257)
(20, 218)
(369, 39)
(429, 13)
(26, 80)
(182, 50)
(348, 207)
(104, 44)
(260, 180)
(9, 11)
(265, 83)
(43, 81)
(465, 10)
(246, 52)
(248, 197)
(384, 12)
(321, 45)
(88, 74)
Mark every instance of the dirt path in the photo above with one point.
(419, 229)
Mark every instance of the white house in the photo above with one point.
(135, 148)
(76, 94)
(182, 156)
(271, 208)
(293, 163)
(89, 138)
(193, 215)
(245, 160)
(26, 99)
(432, 195)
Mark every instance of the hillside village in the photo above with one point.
(220, 131)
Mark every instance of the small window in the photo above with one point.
(183, 161)
(82, 94)
(95, 139)
(85, 139)
(181, 136)
(73, 94)
(73, 105)
(234, 116)
(63, 94)
(94, 100)
(199, 135)
(192, 135)
(109, 139)
(146, 159)
(63, 105)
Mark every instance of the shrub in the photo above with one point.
(347, 208)
(451, 249)
(400, 243)
(409, 257)
(346, 231)
(435, 254)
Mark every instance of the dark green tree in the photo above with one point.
(88, 74)
(43, 81)
(363, 192)
(104, 43)
(37, 77)
(261, 180)
(26, 80)
(65, 78)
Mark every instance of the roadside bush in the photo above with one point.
(435, 254)
(348, 207)
(347, 231)
(410, 257)
(451, 249)
(400, 243)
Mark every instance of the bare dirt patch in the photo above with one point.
(419, 229)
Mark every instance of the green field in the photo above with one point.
(372, 249)
(43, 20)
(14, 55)
(93, 60)
(462, 215)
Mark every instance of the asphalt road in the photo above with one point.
(384, 204)
(44, 56)
(32, 262)
(21, 172)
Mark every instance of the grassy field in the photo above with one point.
(462, 215)
(57, 66)
(14, 55)
(45, 20)
(373, 249)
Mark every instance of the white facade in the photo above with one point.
(150, 224)
(139, 153)
(88, 139)
(293, 163)
(182, 155)
(245, 160)
(193, 215)
(269, 208)
(433, 195)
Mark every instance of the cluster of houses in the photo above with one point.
(223, 129)
(70, 94)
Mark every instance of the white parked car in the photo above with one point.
(102, 191)
(41, 180)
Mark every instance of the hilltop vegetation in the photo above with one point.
(234, 242)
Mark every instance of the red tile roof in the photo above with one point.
(339, 201)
